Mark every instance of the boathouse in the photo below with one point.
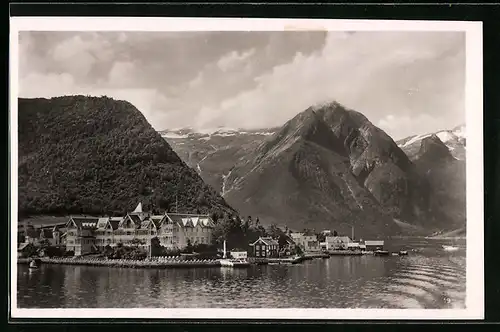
(374, 245)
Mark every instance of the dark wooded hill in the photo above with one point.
(94, 155)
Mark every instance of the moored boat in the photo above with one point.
(450, 248)
(234, 263)
(403, 253)
(381, 253)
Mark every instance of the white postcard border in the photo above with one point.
(474, 127)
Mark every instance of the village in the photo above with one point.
(142, 236)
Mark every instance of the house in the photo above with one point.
(337, 242)
(36, 236)
(307, 242)
(80, 237)
(265, 247)
(239, 254)
(374, 245)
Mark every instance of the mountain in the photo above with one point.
(98, 155)
(454, 139)
(214, 152)
(327, 166)
(447, 179)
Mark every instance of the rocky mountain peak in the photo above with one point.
(432, 148)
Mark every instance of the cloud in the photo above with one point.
(233, 59)
(254, 79)
(370, 72)
(401, 126)
(123, 74)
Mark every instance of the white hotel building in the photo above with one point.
(89, 234)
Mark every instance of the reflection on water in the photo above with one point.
(427, 278)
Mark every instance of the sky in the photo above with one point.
(404, 82)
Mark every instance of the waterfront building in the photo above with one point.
(36, 236)
(265, 247)
(374, 245)
(174, 231)
(307, 242)
(337, 242)
(239, 254)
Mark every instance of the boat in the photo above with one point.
(381, 253)
(35, 264)
(234, 263)
(450, 248)
(231, 262)
(403, 253)
(394, 254)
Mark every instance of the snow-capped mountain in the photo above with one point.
(208, 133)
(213, 152)
(454, 139)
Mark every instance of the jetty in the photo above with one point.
(164, 262)
(346, 253)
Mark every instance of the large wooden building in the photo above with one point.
(174, 230)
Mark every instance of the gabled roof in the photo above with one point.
(22, 246)
(136, 220)
(191, 220)
(157, 220)
(84, 221)
(268, 241)
(345, 239)
(102, 223)
(114, 223)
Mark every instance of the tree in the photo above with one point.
(45, 243)
(321, 237)
(156, 248)
(136, 242)
(189, 247)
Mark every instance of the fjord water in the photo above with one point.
(428, 277)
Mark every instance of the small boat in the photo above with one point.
(450, 248)
(35, 263)
(234, 263)
(403, 253)
(381, 253)
(394, 254)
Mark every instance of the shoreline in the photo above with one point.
(125, 262)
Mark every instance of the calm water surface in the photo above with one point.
(427, 278)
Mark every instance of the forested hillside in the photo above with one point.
(95, 155)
